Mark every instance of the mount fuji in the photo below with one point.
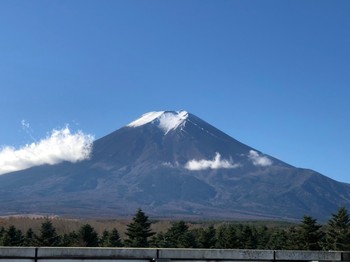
(172, 164)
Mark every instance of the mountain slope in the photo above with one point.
(173, 164)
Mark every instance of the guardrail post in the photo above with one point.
(345, 256)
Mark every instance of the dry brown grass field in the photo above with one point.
(64, 226)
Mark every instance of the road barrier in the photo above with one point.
(63, 254)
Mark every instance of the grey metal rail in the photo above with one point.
(56, 254)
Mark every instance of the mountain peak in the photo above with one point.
(165, 120)
(172, 164)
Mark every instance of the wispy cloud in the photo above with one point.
(259, 160)
(60, 145)
(25, 124)
(26, 128)
(215, 163)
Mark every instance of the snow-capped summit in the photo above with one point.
(165, 120)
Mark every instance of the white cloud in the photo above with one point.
(216, 163)
(60, 145)
(259, 160)
(25, 124)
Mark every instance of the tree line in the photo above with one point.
(307, 235)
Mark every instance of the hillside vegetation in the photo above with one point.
(142, 232)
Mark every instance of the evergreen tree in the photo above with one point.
(263, 235)
(87, 236)
(2, 233)
(338, 231)
(70, 240)
(293, 240)
(227, 237)
(48, 236)
(207, 237)
(248, 237)
(30, 239)
(159, 240)
(139, 231)
(114, 238)
(111, 239)
(310, 235)
(104, 239)
(178, 235)
(12, 237)
(278, 240)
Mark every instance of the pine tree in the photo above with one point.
(263, 236)
(227, 237)
(248, 237)
(30, 239)
(13, 237)
(338, 231)
(179, 236)
(310, 235)
(87, 236)
(293, 240)
(111, 239)
(70, 240)
(159, 240)
(139, 231)
(278, 240)
(114, 238)
(104, 239)
(48, 236)
(2, 233)
(207, 237)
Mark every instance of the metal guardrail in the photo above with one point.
(42, 254)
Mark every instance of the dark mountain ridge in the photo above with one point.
(173, 164)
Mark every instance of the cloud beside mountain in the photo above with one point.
(215, 163)
(61, 145)
(259, 160)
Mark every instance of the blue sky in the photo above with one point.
(272, 74)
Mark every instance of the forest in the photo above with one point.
(308, 234)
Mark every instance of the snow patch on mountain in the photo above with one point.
(145, 118)
(165, 120)
(216, 163)
(170, 120)
(259, 160)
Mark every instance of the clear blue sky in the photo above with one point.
(273, 74)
